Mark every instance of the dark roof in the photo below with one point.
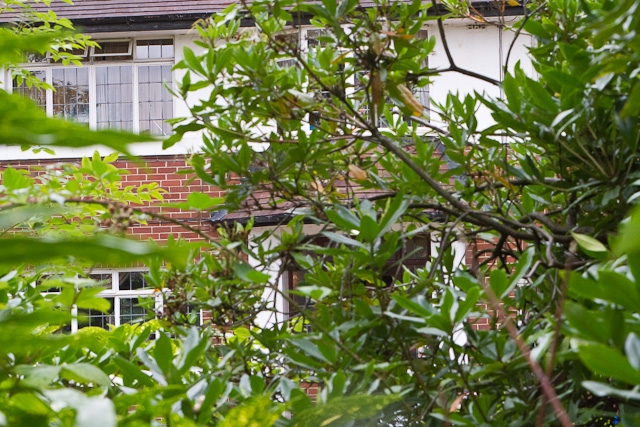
(84, 9)
(134, 15)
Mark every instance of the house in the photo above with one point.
(121, 85)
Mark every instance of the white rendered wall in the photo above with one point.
(478, 48)
(481, 49)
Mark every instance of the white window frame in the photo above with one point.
(117, 294)
(92, 66)
(127, 53)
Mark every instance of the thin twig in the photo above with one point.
(543, 379)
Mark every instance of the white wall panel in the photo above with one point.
(474, 48)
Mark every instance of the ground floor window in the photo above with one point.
(125, 290)
(131, 300)
(413, 255)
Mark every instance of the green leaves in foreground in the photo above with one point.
(102, 249)
(24, 123)
(256, 412)
(260, 412)
(340, 411)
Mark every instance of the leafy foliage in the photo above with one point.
(335, 134)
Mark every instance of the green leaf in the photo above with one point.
(193, 348)
(393, 213)
(588, 324)
(343, 218)
(258, 411)
(421, 307)
(87, 408)
(345, 409)
(632, 106)
(12, 217)
(590, 246)
(339, 238)
(163, 353)
(131, 372)
(192, 60)
(607, 361)
(317, 293)
(309, 348)
(612, 286)
(467, 305)
(87, 299)
(14, 180)
(198, 201)
(39, 377)
(499, 283)
(104, 249)
(245, 272)
(368, 229)
(602, 390)
(85, 373)
(24, 123)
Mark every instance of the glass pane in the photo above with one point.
(155, 74)
(36, 95)
(155, 101)
(312, 37)
(167, 50)
(154, 49)
(193, 315)
(97, 318)
(71, 95)
(132, 280)
(112, 48)
(105, 279)
(131, 311)
(114, 97)
(142, 51)
(113, 74)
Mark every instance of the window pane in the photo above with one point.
(154, 49)
(113, 100)
(131, 311)
(105, 279)
(142, 51)
(36, 58)
(193, 315)
(312, 37)
(167, 50)
(112, 48)
(71, 95)
(131, 280)
(37, 96)
(97, 318)
(156, 103)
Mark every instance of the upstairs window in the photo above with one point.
(120, 85)
(293, 41)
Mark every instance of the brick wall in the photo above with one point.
(166, 172)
